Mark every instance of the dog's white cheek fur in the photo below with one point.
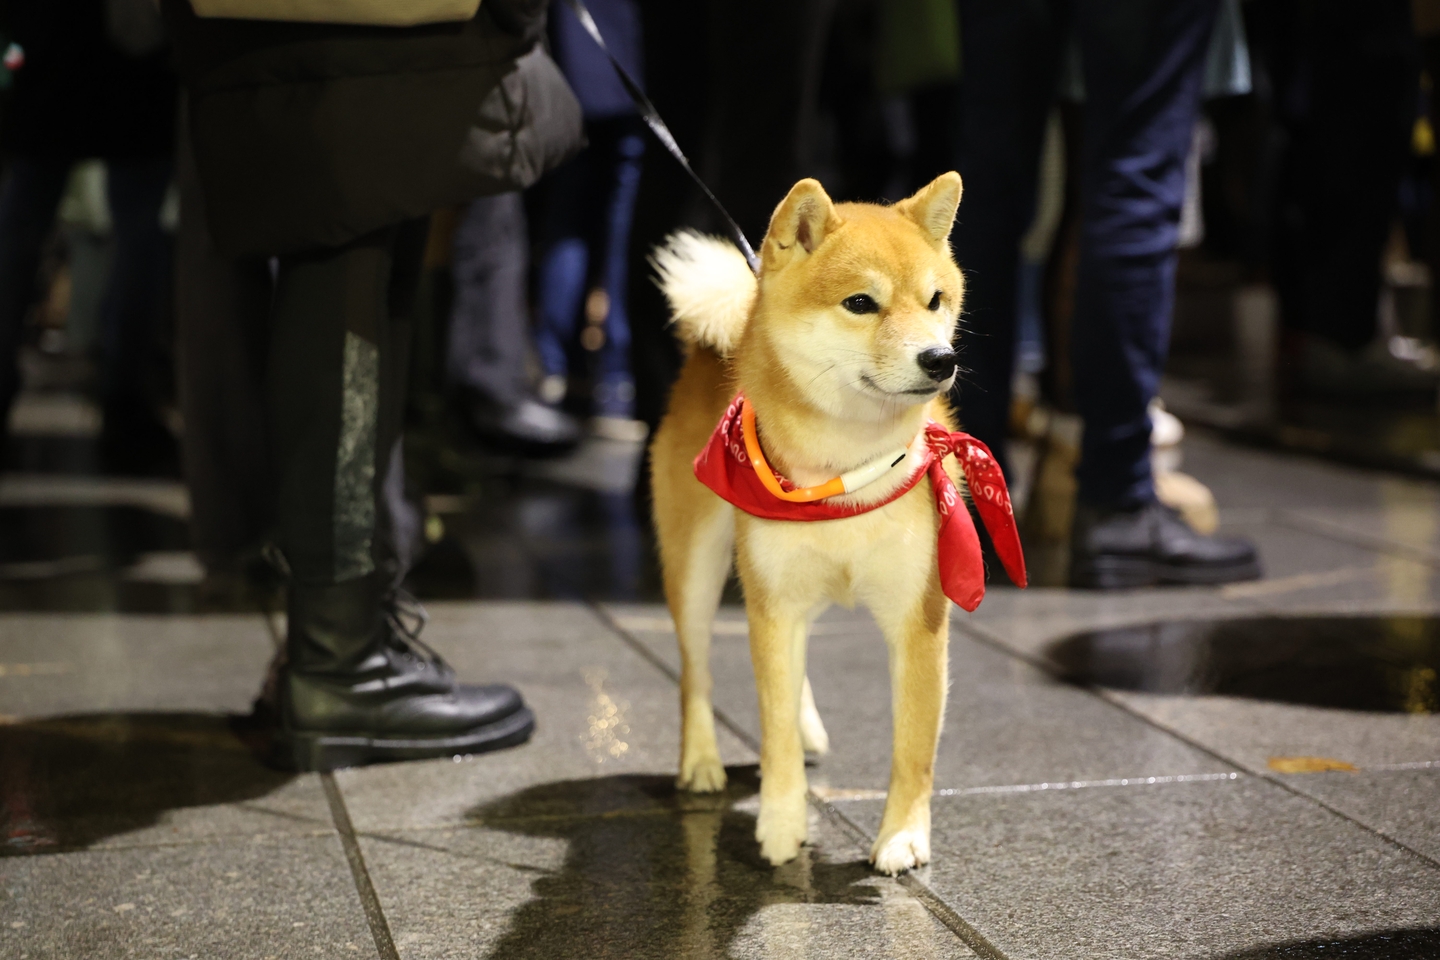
(826, 358)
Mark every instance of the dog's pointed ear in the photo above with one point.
(800, 224)
(933, 206)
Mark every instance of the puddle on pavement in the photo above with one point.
(1422, 944)
(68, 782)
(1388, 664)
(653, 872)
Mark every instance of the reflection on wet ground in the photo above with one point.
(1354, 663)
(1421, 944)
(652, 872)
(67, 782)
(538, 539)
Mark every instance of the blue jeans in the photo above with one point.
(1143, 62)
(587, 215)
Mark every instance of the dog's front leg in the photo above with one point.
(918, 680)
(777, 650)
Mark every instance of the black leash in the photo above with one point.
(651, 116)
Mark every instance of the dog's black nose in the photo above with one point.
(937, 362)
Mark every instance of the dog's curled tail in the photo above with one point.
(709, 286)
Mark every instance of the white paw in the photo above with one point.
(900, 851)
(780, 829)
(702, 774)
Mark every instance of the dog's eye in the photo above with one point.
(860, 303)
(935, 301)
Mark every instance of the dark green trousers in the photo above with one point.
(336, 394)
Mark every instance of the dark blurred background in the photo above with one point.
(1304, 317)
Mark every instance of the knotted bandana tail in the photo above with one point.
(724, 467)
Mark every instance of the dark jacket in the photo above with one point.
(309, 135)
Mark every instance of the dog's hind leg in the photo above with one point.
(812, 730)
(694, 579)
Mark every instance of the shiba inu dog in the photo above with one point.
(841, 350)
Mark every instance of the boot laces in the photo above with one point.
(407, 617)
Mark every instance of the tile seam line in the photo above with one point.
(929, 899)
(1330, 531)
(964, 931)
(985, 636)
(364, 888)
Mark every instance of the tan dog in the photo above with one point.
(842, 348)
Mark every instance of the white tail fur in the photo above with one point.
(709, 286)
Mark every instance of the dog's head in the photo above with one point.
(859, 302)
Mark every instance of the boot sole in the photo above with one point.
(1124, 573)
(319, 752)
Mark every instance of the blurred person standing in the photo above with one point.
(92, 79)
(1346, 82)
(1142, 63)
(585, 216)
(487, 353)
(323, 147)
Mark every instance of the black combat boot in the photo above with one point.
(357, 686)
(1149, 544)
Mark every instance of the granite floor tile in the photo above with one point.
(1243, 478)
(1006, 722)
(282, 900)
(602, 710)
(1402, 804)
(87, 663)
(1180, 870)
(1251, 732)
(623, 866)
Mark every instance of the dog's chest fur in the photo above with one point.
(883, 558)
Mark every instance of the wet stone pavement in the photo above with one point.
(1242, 773)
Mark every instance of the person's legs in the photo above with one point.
(135, 293)
(615, 388)
(354, 689)
(1142, 61)
(222, 310)
(489, 319)
(564, 263)
(1347, 98)
(28, 198)
(1011, 55)
(486, 354)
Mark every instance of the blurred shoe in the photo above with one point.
(1150, 544)
(622, 429)
(1190, 498)
(528, 427)
(1166, 430)
(552, 389)
(356, 685)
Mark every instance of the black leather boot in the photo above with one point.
(1149, 544)
(357, 686)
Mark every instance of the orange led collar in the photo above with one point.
(834, 487)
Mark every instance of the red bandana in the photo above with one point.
(724, 467)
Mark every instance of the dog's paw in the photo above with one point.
(781, 829)
(704, 774)
(900, 851)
